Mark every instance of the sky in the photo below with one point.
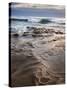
(41, 10)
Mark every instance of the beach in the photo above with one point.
(37, 44)
(37, 57)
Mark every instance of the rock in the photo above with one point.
(59, 32)
(25, 33)
(38, 61)
(15, 34)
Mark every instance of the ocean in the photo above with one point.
(24, 17)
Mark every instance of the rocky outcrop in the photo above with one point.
(40, 60)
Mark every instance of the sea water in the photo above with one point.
(34, 15)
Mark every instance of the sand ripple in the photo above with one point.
(38, 60)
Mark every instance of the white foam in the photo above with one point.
(59, 20)
(37, 19)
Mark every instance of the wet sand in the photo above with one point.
(38, 57)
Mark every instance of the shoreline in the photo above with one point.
(39, 59)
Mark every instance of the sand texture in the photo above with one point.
(38, 57)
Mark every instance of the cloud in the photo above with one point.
(29, 5)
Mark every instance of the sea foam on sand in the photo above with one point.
(39, 59)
